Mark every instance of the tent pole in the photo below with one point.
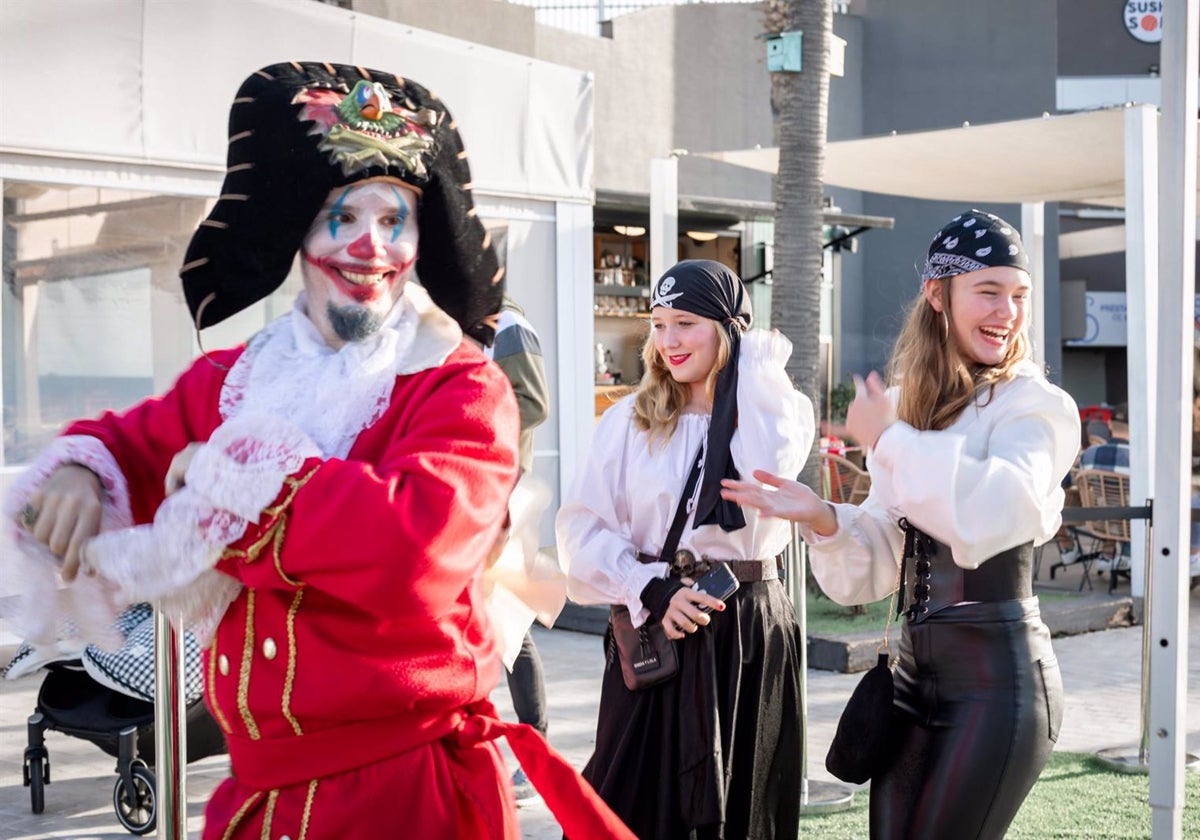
(1177, 286)
(1033, 234)
(1141, 297)
(664, 215)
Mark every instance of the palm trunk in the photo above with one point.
(799, 102)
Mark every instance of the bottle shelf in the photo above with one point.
(621, 291)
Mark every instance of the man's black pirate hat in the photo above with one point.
(301, 129)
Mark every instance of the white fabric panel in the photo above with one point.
(160, 75)
(1070, 157)
(197, 53)
(526, 124)
(58, 89)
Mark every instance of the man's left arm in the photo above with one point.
(518, 353)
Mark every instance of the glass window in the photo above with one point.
(92, 315)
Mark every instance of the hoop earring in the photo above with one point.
(945, 326)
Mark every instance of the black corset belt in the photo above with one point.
(687, 564)
(931, 581)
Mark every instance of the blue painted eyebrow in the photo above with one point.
(336, 210)
(401, 211)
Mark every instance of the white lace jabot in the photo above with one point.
(332, 395)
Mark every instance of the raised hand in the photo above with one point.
(64, 513)
(871, 411)
(789, 500)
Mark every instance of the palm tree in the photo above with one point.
(800, 103)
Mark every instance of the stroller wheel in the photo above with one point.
(136, 808)
(37, 776)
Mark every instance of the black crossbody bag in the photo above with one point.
(647, 656)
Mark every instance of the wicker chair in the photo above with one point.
(842, 481)
(1103, 488)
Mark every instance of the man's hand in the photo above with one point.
(64, 513)
(179, 467)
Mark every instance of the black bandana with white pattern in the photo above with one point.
(711, 290)
(972, 241)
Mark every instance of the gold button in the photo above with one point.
(223, 665)
(269, 649)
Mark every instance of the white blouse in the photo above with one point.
(624, 498)
(987, 483)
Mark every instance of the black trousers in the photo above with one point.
(527, 685)
(979, 701)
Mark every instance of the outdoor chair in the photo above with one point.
(842, 480)
(1103, 488)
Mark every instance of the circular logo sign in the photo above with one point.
(1143, 20)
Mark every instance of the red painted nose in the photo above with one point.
(366, 247)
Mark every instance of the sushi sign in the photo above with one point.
(1143, 20)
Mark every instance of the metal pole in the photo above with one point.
(816, 797)
(1144, 742)
(1177, 278)
(170, 739)
(801, 602)
(1126, 759)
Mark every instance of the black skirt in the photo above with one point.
(714, 752)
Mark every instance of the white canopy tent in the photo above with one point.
(1107, 157)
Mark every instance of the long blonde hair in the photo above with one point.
(937, 381)
(660, 399)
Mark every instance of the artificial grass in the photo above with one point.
(826, 618)
(1076, 797)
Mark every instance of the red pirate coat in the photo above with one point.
(359, 637)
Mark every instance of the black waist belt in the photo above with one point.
(933, 582)
(686, 564)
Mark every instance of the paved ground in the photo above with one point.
(1100, 672)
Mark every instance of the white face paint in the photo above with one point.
(357, 256)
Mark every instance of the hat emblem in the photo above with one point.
(364, 129)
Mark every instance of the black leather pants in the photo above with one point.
(979, 701)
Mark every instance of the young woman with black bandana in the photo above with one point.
(715, 751)
(967, 455)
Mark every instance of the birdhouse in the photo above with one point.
(783, 52)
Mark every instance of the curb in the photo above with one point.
(854, 652)
(851, 653)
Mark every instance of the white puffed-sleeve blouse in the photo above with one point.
(990, 481)
(625, 495)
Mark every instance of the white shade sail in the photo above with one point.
(1071, 157)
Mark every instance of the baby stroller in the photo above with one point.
(108, 699)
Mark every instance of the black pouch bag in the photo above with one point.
(647, 656)
(865, 738)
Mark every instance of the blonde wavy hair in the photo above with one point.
(937, 381)
(660, 399)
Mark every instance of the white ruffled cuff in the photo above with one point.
(640, 575)
(46, 611)
(229, 482)
(243, 466)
